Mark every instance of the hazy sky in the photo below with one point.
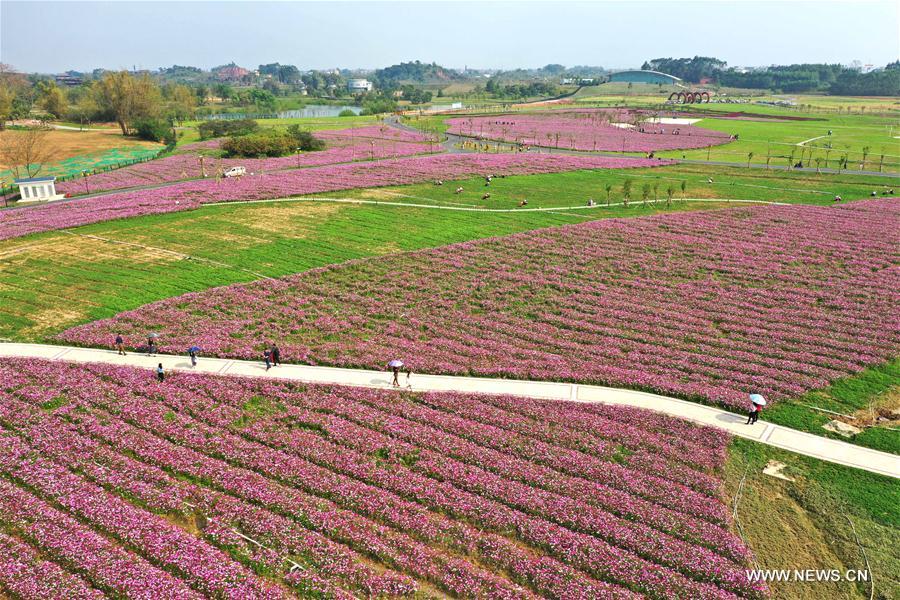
(56, 36)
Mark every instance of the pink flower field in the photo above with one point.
(115, 485)
(368, 143)
(586, 130)
(705, 305)
(187, 195)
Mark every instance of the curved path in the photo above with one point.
(767, 433)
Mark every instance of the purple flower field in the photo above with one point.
(113, 484)
(586, 130)
(707, 305)
(16, 222)
(365, 143)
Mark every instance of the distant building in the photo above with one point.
(642, 76)
(69, 80)
(38, 189)
(231, 72)
(358, 86)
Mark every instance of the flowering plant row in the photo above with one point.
(368, 143)
(187, 195)
(587, 130)
(337, 491)
(705, 305)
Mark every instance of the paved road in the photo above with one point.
(767, 433)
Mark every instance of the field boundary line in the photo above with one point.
(808, 444)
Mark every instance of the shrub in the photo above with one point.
(214, 129)
(271, 143)
(346, 113)
(154, 130)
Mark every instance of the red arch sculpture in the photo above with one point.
(689, 97)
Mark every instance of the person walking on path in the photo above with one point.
(758, 402)
(267, 356)
(160, 374)
(120, 344)
(192, 352)
(395, 369)
(408, 375)
(151, 344)
(276, 355)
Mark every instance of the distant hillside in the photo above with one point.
(415, 72)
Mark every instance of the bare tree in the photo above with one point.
(25, 152)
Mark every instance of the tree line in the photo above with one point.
(808, 77)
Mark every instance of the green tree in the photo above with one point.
(52, 99)
(645, 193)
(670, 191)
(683, 188)
(127, 98)
(608, 188)
(749, 158)
(626, 192)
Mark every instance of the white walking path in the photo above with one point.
(767, 433)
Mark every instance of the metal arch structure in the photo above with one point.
(689, 97)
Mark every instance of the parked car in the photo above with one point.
(236, 172)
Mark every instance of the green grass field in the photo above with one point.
(779, 139)
(574, 188)
(813, 521)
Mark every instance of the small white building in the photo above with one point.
(357, 86)
(38, 189)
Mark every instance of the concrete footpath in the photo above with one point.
(767, 433)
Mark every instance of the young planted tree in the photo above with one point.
(865, 153)
(818, 165)
(608, 189)
(24, 152)
(626, 192)
(645, 193)
(670, 191)
(683, 188)
(655, 193)
(749, 158)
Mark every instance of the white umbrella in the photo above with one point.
(757, 399)
(396, 363)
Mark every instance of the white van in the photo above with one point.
(236, 172)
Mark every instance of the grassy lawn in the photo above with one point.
(806, 523)
(850, 135)
(574, 188)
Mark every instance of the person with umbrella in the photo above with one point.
(151, 343)
(395, 368)
(758, 402)
(192, 352)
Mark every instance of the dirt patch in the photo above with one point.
(72, 250)
(51, 319)
(292, 219)
(884, 412)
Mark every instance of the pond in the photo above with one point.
(307, 112)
